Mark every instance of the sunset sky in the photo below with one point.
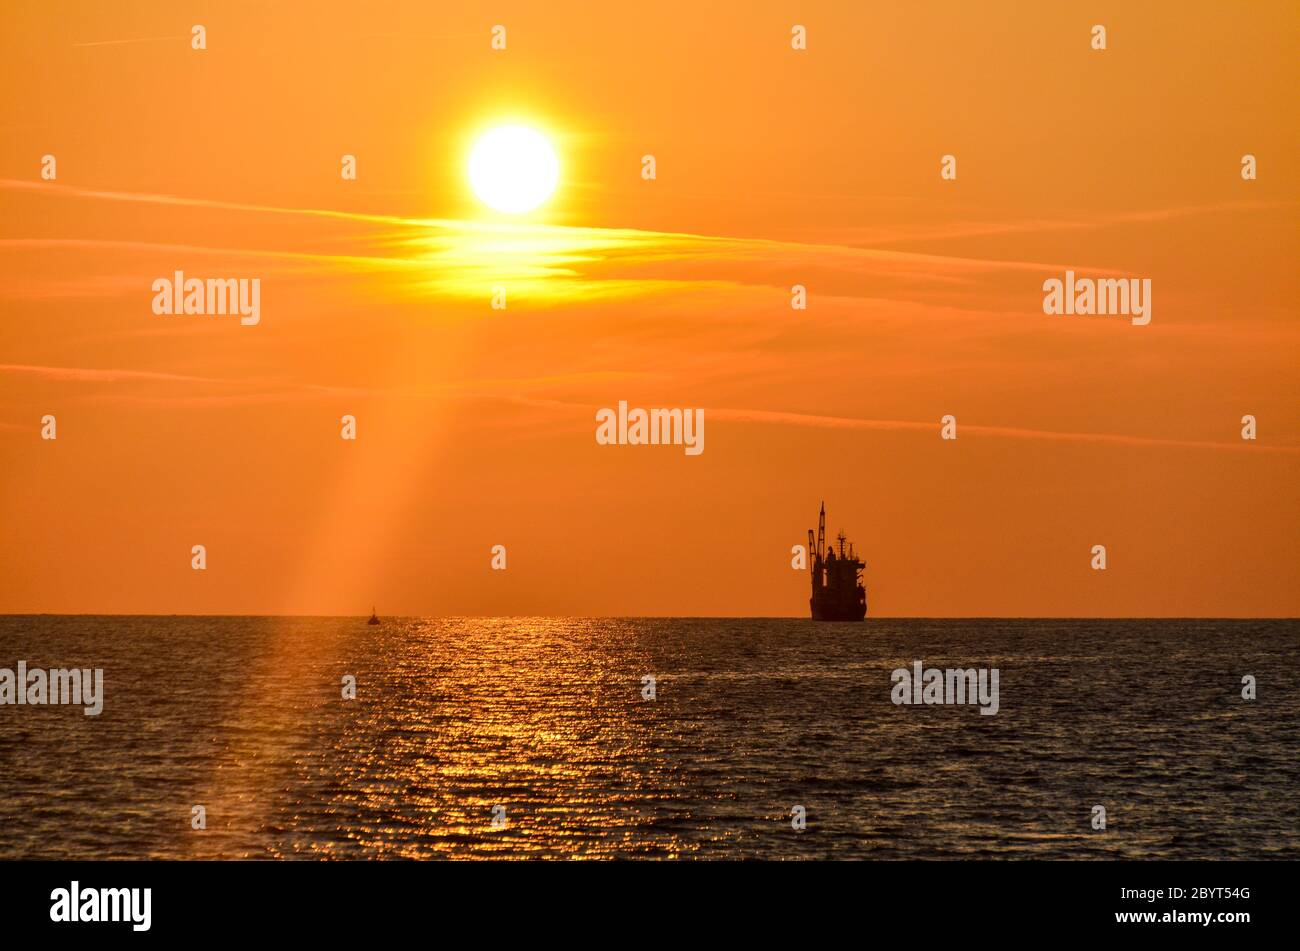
(775, 167)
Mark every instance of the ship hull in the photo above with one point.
(837, 612)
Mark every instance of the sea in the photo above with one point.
(652, 738)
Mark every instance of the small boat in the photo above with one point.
(374, 618)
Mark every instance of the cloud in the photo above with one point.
(999, 432)
(506, 389)
(549, 264)
(1102, 219)
(85, 375)
(126, 42)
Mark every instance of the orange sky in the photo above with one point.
(775, 167)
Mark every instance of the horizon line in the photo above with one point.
(697, 617)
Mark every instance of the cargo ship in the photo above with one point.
(838, 593)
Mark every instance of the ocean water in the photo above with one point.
(545, 718)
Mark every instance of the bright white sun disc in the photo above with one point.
(512, 168)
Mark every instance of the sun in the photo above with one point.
(512, 168)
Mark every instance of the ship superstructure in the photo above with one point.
(838, 593)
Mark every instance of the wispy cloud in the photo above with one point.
(131, 41)
(54, 189)
(279, 390)
(516, 391)
(87, 375)
(999, 432)
(549, 264)
(951, 230)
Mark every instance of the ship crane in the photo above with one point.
(821, 533)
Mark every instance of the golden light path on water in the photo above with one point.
(452, 718)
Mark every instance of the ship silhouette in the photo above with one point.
(838, 593)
